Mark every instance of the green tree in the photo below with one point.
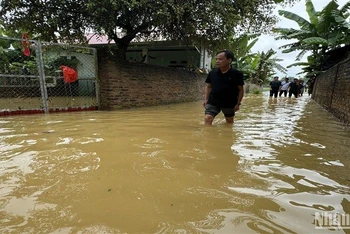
(256, 67)
(12, 60)
(241, 47)
(324, 31)
(267, 64)
(245, 60)
(124, 20)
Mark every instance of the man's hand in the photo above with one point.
(205, 103)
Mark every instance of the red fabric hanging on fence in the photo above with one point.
(69, 74)
(25, 44)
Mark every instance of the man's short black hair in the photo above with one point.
(228, 54)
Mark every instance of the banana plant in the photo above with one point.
(325, 30)
(245, 60)
(241, 46)
(267, 64)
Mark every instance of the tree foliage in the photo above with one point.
(267, 63)
(256, 67)
(245, 60)
(325, 30)
(195, 21)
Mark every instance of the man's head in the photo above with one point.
(275, 78)
(287, 79)
(224, 58)
(295, 80)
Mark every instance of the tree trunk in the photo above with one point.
(256, 77)
(122, 45)
(120, 51)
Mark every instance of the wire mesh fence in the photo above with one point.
(19, 77)
(32, 78)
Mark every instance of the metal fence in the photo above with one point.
(31, 78)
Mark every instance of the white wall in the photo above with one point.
(205, 60)
(168, 58)
(86, 66)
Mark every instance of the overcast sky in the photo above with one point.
(266, 42)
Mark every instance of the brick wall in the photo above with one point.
(332, 90)
(126, 85)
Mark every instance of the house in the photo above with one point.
(162, 53)
(82, 59)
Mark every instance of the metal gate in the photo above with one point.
(31, 78)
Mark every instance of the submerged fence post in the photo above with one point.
(40, 62)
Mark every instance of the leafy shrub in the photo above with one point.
(256, 91)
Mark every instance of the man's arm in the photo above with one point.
(240, 96)
(207, 91)
(240, 93)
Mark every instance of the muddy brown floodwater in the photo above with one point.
(282, 167)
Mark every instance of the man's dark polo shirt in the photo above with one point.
(224, 92)
(293, 87)
(275, 85)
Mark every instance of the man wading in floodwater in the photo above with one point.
(224, 90)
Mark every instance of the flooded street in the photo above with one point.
(160, 170)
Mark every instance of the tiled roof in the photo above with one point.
(95, 39)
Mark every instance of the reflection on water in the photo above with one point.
(159, 170)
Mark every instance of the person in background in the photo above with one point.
(301, 87)
(284, 87)
(224, 89)
(275, 87)
(294, 88)
(310, 86)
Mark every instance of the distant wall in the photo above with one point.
(332, 90)
(127, 84)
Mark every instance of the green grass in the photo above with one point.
(256, 91)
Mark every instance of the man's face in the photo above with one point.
(222, 61)
(276, 78)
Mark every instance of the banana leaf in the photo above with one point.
(315, 41)
(303, 23)
(298, 64)
(310, 9)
